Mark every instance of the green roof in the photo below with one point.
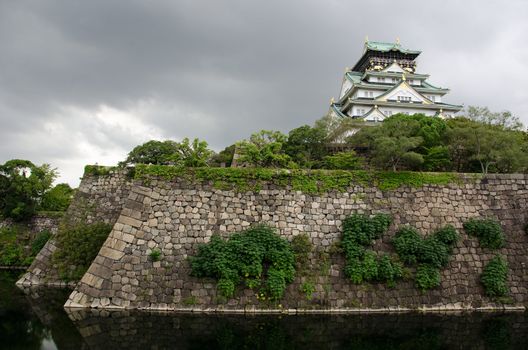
(354, 77)
(337, 109)
(385, 47)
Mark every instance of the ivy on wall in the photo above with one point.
(430, 254)
(488, 231)
(363, 264)
(495, 274)
(494, 277)
(257, 257)
(307, 181)
(78, 246)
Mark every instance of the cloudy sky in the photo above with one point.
(85, 81)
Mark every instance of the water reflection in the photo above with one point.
(36, 320)
(133, 330)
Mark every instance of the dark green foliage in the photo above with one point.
(257, 256)
(152, 152)
(307, 181)
(185, 153)
(343, 160)
(302, 247)
(494, 277)
(98, 170)
(13, 246)
(78, 247)
(407, 243)
(447, 235)
(431, 253)
(57, 199)
(22, 185)
(40, 240)
(307, 146)
(359, 231)
(264, 149)
(437, 159)
(155, 255)
(427, 277)
(389, 270)
(488, 231)
(224, 157)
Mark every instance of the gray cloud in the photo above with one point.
(84, 82)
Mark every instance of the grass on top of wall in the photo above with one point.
(307, 181)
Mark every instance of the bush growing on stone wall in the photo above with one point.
(257, 257)
(431, 253)
(302, 247)
(494, 277)
(12, 247)
(359, 232)
(488, 232)
(155, 255)
(77, 248)
(427, 277)
(39, 242)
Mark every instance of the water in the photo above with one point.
(35, 319)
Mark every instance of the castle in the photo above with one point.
(384, 82)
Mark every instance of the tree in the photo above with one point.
(343, 160)
(185, 153)
(195, 154)
(392, 144)
(494, 147)
(22, 185)
(306, 145)
(437, 159)
(224, 157)
(264, 149)
(57, 199)
(504, 119)
(152, 152)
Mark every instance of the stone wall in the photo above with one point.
(98, 199)
(175, 217)
(38, 223)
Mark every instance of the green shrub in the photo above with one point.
(39, 242)
(302, 247)
(11, 251)
(155, 255)
(362, 264)
(343, 160)
(494, 277)
(57, 199)
(78, 247)
(431, 253)
(407, 243)
(12, 254)
(488, 232)
(389, 270)
(370, 266)
(257, 253)
(427, 277)
(359, 229)
(447, 235)
(308, 289)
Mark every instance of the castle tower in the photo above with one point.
(384, 82)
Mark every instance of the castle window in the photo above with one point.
(404, 98)
(381, 79)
